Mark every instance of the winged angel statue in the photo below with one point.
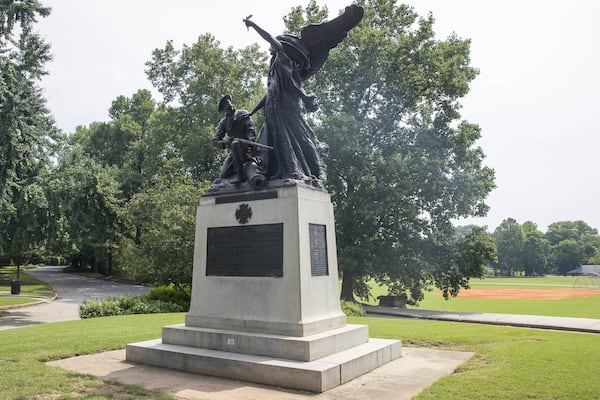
(295, 153)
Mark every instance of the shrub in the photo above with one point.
(99, 308)
(170, 294)
(352, 309)
(126, 305)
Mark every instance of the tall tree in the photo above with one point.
(27, 132)
(86, 208)
(167, 213)
(567, 255)
(573, 243)
(535, 251)
(509, 241)
(402, 164)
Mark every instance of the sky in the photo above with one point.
(536, 98)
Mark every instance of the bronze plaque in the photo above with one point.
(253, 250)
(318, 250)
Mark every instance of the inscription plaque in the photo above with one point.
(253, 250)
(318, 250)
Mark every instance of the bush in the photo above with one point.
(126, 305)
(170, 294)
(352, 309)
(99, 308)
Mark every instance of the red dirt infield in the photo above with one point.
(526, 294)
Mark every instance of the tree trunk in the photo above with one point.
(348, 287)
(138, 236)
(110, 263)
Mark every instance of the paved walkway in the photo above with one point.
(528, 321)
(400, 379)
(71, 290)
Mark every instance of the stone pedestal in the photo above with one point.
(265, 304)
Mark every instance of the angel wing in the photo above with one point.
(319, 39)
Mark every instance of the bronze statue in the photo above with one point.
(240, 165)
(297, 154)
(287, 150)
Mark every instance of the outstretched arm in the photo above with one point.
(276, 44)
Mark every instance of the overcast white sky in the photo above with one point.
(536, 99)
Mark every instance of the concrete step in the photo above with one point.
(316, 376)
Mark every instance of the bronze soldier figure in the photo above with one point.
(241, 135)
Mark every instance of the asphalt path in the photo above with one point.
(71, 290)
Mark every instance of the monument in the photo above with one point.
(265, 300)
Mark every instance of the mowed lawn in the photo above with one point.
(588, 307)
(30, 286)
(509, 363)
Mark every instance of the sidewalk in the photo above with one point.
(587, 325)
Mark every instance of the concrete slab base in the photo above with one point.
(400, 379)
(315, 376)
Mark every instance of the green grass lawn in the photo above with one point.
(578, 307)
(575, 307)
(24, 351)
(30, 286)
(509, 363)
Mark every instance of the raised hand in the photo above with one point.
(248, 22)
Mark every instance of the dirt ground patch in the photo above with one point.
(527, 294)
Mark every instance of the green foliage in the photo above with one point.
(563, 247)
(352, 309)
(126, 305)
(573, 243)
(472, 253)
(166, 212)
(509, 242)
(27, 132)
(568, 254)
(124, 192)
(402, 164)
(85, 210)
(190, 81)
(564, 230)
(170, 294)
(521, 248)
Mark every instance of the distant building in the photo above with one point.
(589, 270)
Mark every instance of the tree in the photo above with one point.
(86, 210)
(595, 258)
(27, 132)
(567, 255)
(573, 243)
(474, 249)
(167, 212)
(535, 251)
(563, 230)
(509, 241)
(190, 81)
(402, 165)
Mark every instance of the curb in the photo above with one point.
(501, 319)
(38, 301)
